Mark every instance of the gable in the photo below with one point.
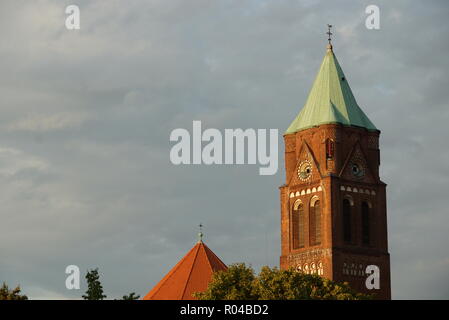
(356, 166)
(306, 159)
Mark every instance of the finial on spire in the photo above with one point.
(329, 34)
(200, 234)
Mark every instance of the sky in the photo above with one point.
(86, 115)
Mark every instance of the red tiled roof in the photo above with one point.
(191, 274)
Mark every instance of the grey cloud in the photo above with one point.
(105, 193)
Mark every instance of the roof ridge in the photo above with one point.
(210, 252)
(207, 256)
(343, 92)
(198, 245)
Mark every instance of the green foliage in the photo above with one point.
(131, 296)
(94, 287)
(11, 294)
(240, 283)
(234, 284)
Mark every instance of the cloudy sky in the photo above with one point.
(85, 119)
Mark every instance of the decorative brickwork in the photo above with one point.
(346, 170)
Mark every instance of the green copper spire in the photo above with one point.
(330, 100)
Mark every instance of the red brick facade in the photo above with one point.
(324, 166)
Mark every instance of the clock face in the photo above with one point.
(357, 169)
(305, 170)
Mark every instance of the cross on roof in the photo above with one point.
(329, 33)
(200, 234)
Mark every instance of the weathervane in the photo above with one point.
(200, 234)
(329, 33)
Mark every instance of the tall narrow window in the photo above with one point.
(347, 234)
(365, 224)
(329, 149)
(315, 223)
(301, 225)
(298, 226)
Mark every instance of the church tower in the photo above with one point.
(333, 204)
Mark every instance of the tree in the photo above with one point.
(240, 283)
(94, 287)
(275, 284)
(11, 294)
(131, 296)
(236, 283)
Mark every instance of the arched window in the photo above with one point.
(315, 222)
(365, 223)
(347, 232)
(298, 225)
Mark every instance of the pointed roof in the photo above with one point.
(330, 100)
(191, 274)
